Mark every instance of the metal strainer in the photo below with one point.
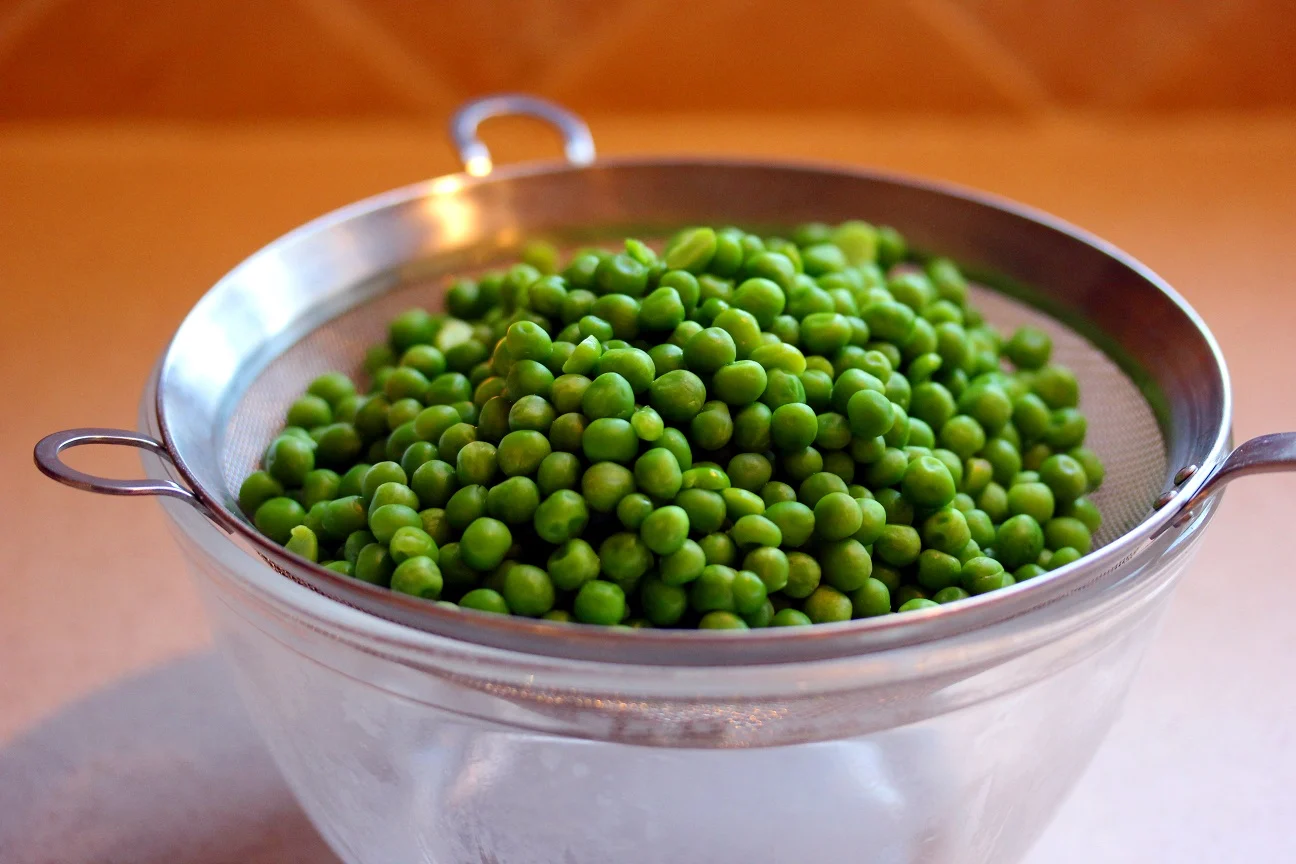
(1153, 381)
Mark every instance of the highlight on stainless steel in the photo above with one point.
(49, 460)
(578, 144)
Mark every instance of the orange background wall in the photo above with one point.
(233, 60)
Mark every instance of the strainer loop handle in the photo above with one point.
(578, 144)
(1264, 454)
(49, 461)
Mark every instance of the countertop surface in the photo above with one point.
(120, 739)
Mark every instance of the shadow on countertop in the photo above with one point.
(162, 768)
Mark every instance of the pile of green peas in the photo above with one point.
(733, 432)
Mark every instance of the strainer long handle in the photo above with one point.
(578, 144)
(1262, 455)
(50, 462)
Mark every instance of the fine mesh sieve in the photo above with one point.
(1153, 383)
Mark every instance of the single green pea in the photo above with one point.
(750, 471)
(1064, 476)
(793, 426)
(846, 564)
(782, 388)
(604, 484)
(891, 468)
(713, 590)
(528, 341)
(665, 529)
(374, 565)
(927, 482)
(484, 543)
(775, 492)
(708, 350)
(513, 501)
(1068, 531)
(981, 575)
(289, 459)
(610, 439)
(484, 600)
(718, 549)
(692, 250)
(1057, 386)
(573, 564)
(790, 617)
(938, 570)
(434, 482)
(657, 472)
(385, 520)
(465, 506)
(1029, 348)
(898, 509)
(476, 463)
(277, 517)
(520, 453)
(332, 387)
(712, 427)
(558, 471)
(528, 591)
(393, 493)
(705, 509)
(663, 604)
(751, 432)
(947, 531)
(837, 516)
(755, 530)
(870, 599)
(826, 605)
(258, 488)
(1033, 499)
(898, 545)
(433, 421)
(302, 541)
(418, 575)
(310, 411)
(719, 620)
(740, 382)
(1063, 556)
(1019, 540)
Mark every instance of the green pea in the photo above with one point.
(712, 427)
(374, 565)
(755, 530)
(708, 350)
(740, 382)
(692, 250)
(384, 521)
(826, 605)
(514, 500)
(289, 459)
(1029, 348)
(1032, 499)
(302, 541)
(604, 484)
(1019, 540)
(665, 529)
(484, 600)
(520, 453)
(898, 545)
(258, 488)
(927, 482)
(981, 575)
